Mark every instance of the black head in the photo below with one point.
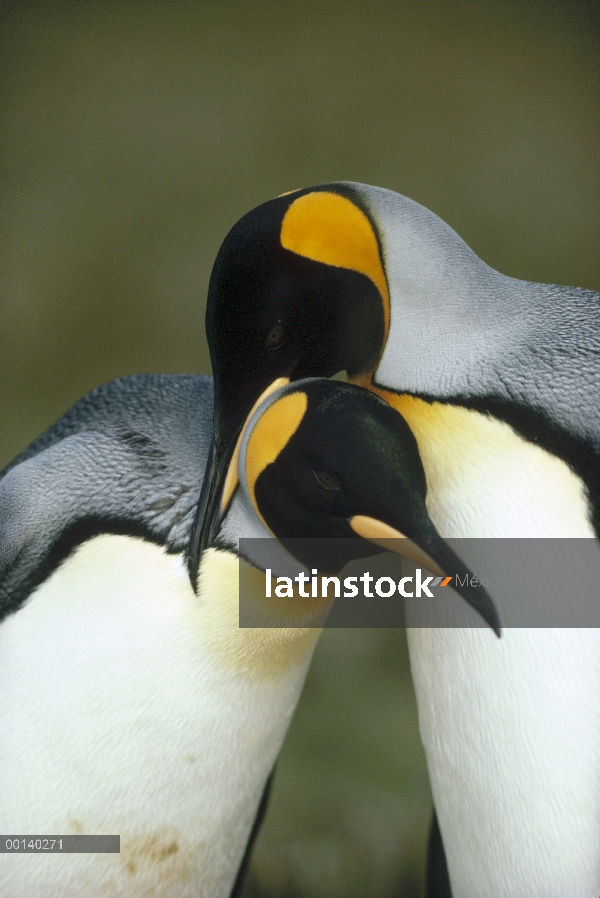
(295, 291)
(326, 460)
(298, 289)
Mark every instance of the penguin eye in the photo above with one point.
(275, 337)
(327, 480)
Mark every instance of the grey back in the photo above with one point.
(127, 458)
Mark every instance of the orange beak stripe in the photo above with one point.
(392, 540)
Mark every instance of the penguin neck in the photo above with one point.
(250, 631)
(463, 334)
(242, 532)
(529, 426)
(460, 329)
(249, 560)
(485, 480)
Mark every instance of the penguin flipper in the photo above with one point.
(437, 880)
(128, 458)
(242, 873)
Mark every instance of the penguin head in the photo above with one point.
(298, 289)
(320, 459)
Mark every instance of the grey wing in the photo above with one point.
(127, 458)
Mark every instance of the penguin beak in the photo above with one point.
(219, 484)
(433, 553)
(231, 479)
(207, 508)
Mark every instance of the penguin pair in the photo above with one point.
(499, 381)
(132, 703)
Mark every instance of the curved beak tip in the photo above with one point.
(438, 558)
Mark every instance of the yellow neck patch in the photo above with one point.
(254, 651)
(329, 228)
(271, 434)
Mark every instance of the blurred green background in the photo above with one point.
(134, 134)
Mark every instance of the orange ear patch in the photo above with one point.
(329, 228)
(231, 479)
(271, 434)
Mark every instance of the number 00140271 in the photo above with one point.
(26, 844)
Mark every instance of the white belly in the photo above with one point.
(511, 730)
(511, 727)
(124, 711)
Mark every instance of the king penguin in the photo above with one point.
(499, 381)
(134, 703)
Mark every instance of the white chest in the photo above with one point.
(511, 727)
(125, 711)
(511, 730)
